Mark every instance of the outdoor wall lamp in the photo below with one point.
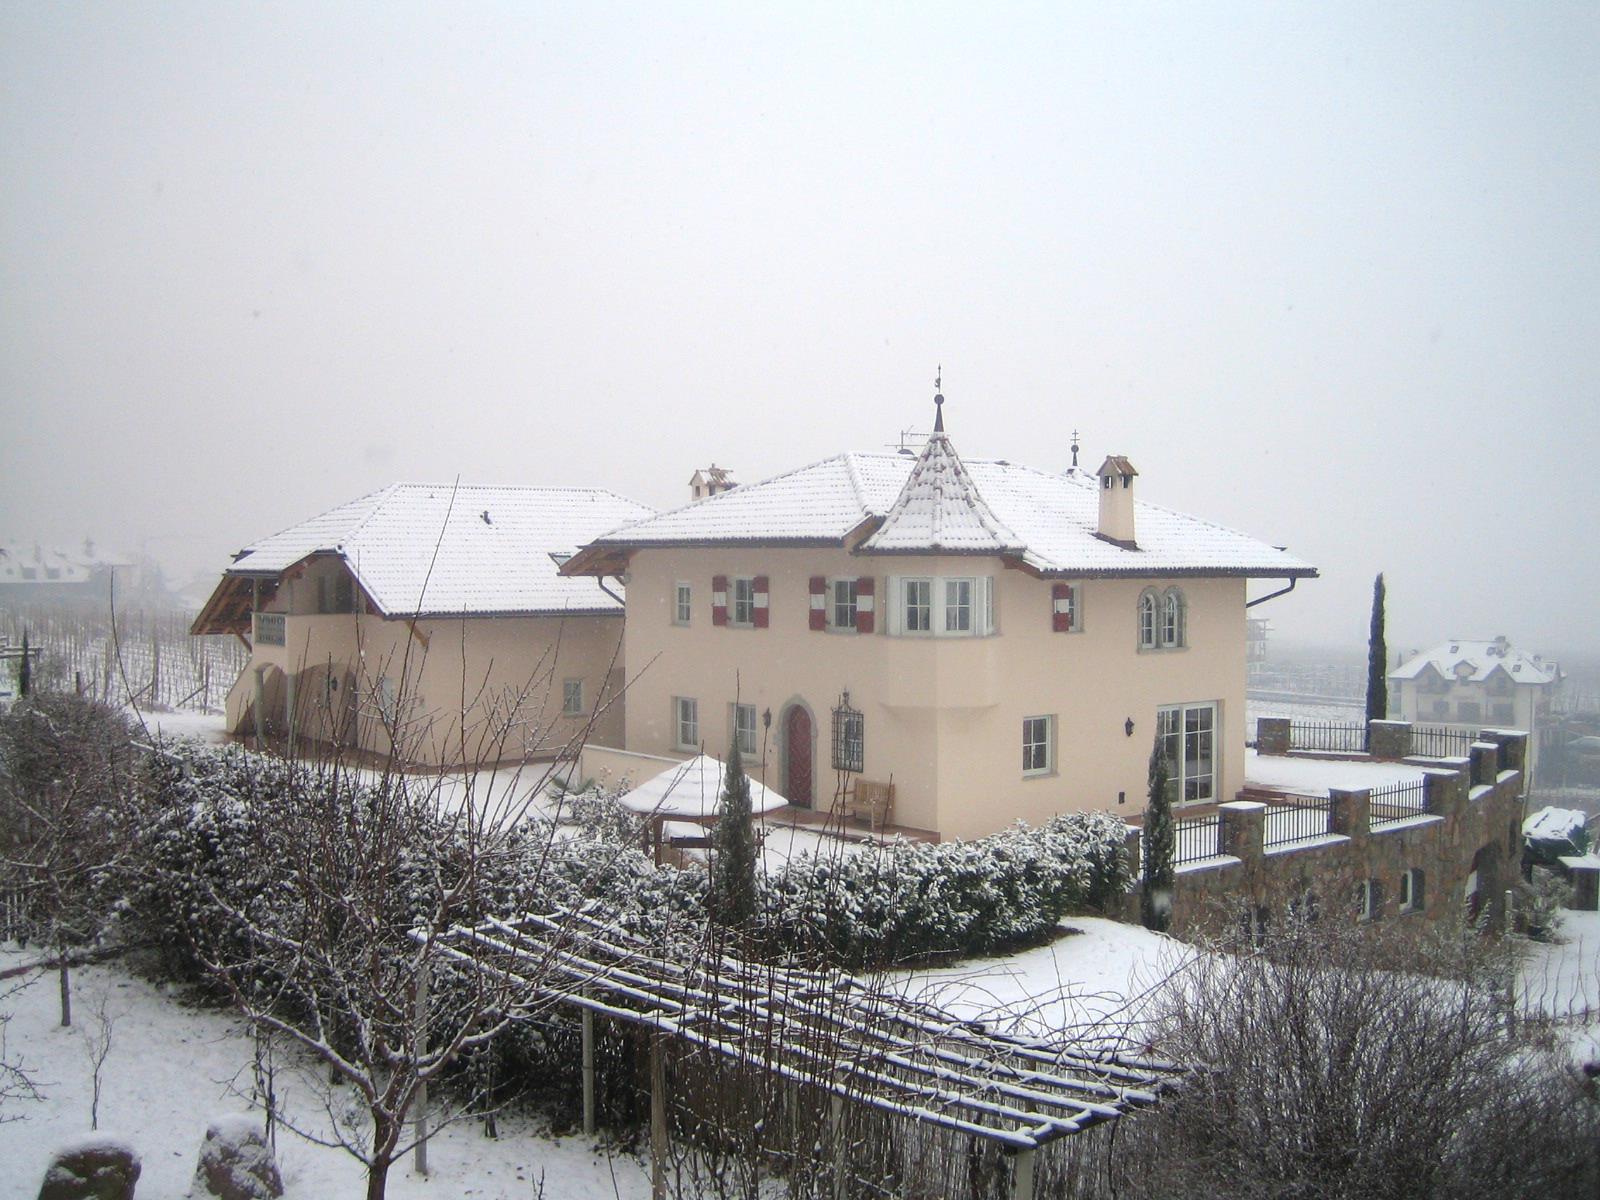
(1127, 727)
(766, 719)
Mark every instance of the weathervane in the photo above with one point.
(938, 399)
(1074, 449)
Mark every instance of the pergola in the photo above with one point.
(825, 1029)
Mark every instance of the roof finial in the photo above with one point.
(938, 400)
(1074, 449)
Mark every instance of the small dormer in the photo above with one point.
(709, 482)
(1116, 501)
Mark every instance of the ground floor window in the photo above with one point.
(1411, 894)
(686, 722)
(1038, 756)
(572, 697)
(1188, 734)
(849, 738)
(744, 729)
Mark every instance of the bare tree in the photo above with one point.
(97, 1040)
(16, 1083)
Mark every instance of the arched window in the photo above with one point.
(1147, 620)
(1173, 616)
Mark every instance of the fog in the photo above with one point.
(1329, 277)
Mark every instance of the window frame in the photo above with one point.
(682, 602)
(685, 717)
(852, 585)
(1179, 779)
(906, 606)
(944, 601)
(737, 710)
(1369, 900)
(1147, 621)
(572, 697)
(849, 740)
(955, 608)
(1413, 890)
(1038, 745)
(742, 591)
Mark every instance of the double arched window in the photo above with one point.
(1163, 619)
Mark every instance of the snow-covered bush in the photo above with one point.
(912, 900)
(1541, 901)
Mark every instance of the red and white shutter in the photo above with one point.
(1061, 607)
(760, 587)
(866, 603)
(819, 602)
(719, 599)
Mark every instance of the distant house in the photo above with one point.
(999, 642)
(32, 572)
(429, 621)
(1478, 685)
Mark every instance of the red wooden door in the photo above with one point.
(797, 757)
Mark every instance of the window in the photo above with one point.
(744, 729)
(1066, 614)
(682, 603)
(743, 602)
(849, 738)
(1369, 900)
(1147, 620)
(1504, 713)
(572, 697)
(1038, 740)
(943, 607)
(1468, 710)
(1411, 890)
(919, 605)
(686, 722)
(1188, 739)
(1441, 708)
(842, 609)
(1173, 613)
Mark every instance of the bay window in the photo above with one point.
(942, 607)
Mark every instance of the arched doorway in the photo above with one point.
(798, 745)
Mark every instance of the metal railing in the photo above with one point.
(1397, 802)
(1338, 736)
(1297, 821)
(1441, 741)
(1196, 839)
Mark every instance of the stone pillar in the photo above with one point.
(1584, 876)
(1272, 735)
(1444, 795)
(1389, 740)
(1513, 748)
(1243, 829)
(1350, 813)
(1485, 763)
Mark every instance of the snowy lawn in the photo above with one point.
(1561, 981)
(171, 1069)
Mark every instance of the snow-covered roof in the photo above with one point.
(440, 549)
(941, 511)
(694, 789)
(1555, 823)
(1049, 521)
(1474, 662)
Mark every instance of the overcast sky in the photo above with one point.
(1331, 277)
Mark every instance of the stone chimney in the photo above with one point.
(1116, 502)
(709, 482)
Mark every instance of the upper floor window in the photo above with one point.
(1066, 608)
(742, 602)
(842, 606)
(572, 697)
(682, 603)
(1163, 619)
(744, 729)
(686, 722)
(942, 607)
(918, 605)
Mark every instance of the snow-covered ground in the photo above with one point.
(1314, 776)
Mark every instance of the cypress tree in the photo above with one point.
(732, 897)
(1160, 848)
(25, 671)
(1377, 658)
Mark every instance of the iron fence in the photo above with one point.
(1441, 741)
(1197, 838)
(1337, 736)
(1303, 818)
(1397, 802)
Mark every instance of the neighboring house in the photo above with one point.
(429, 620)
(31, 572)
(1478, 685)
(1000, 642)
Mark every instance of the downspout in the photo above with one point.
(600, 579)
(1294, 579)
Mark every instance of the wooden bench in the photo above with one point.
(870, 802)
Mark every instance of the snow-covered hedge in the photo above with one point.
(978, 897)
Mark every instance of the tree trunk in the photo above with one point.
(63, 963)
(377, 1177)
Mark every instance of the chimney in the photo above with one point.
(709, 482)
(1116, 502)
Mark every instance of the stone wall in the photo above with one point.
(1467, 838)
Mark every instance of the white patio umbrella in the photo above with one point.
(693, 790)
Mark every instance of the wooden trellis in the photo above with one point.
(825, 1029)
